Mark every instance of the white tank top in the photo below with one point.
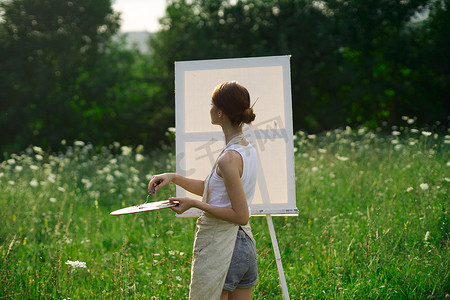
(218, 195)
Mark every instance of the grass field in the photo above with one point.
(373, 222)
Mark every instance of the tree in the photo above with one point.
(353, 62)
(63, 76)
(46, 47)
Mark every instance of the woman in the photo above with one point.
(224, 260)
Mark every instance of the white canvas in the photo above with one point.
(198, 142)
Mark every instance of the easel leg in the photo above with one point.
(277, 257)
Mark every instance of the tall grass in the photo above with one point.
(373, 222)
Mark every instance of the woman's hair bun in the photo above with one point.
(248, 116)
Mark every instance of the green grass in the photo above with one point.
(366, 228)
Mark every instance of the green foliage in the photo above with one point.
(46, 46)
(353, 62)
(62, 76)
(373, 222)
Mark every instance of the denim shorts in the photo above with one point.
(243, 271)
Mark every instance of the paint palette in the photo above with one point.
(144, 207)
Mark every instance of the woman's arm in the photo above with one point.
(194, 186)
(230, 166)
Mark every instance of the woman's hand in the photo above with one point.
(183, 204)
(160, 180)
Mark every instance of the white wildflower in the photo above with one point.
(311, 136)
(413, 130)
(314, 169)
(447, 179)
(51, 178)
(94, 195)
(79, 143)
(322, 150)
(18, 168)
(34, 167)
(130, 190)
(410, 121)
(76, 264)
(171, 129)
(61, 189)
(34, 182)
(178, 278)
(427, 236)
(126, 150)
(139, 157)
(52, 200)
(396, 133)
(341, 158)
(159, 282)
(11, 182)
(87, 183)
(11, 161)
(424, 186)
(38, 150)
(39, 157)
(409, 189)
(426, 133)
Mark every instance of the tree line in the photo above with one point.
(64, 75)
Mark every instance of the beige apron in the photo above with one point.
(213, 248)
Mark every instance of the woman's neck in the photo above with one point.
(231, 132)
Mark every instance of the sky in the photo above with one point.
(140, 15)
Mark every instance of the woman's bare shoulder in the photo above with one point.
(229, 157)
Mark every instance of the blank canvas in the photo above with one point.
(198, 142)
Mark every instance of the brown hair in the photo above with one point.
(234, 100)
